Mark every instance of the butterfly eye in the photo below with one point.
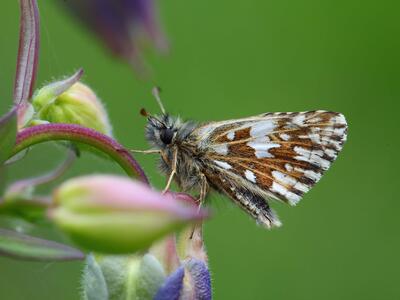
(166, 135)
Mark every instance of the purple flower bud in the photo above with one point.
(114, 214)
(200, 279)
(120, 24)
(189, 281)
(172, 287)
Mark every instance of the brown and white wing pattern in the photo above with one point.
(274, 155)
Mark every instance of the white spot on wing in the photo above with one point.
(231, 135)
(284, 136)
(306, 152)
(299, 119)
(314, 137)
(261, 148)
(281, 190)
(312, 156)
(312, 175)
(206, 130)
(339, 119)
(301, 187)
(327, 141)
(283, 178)
(339, 131)
(327, 131)
(315, 120)
(220, 149)
(330, 152)
(288, 167)
(261, 140)
(262, 128)
(250, 176)
(223, 164)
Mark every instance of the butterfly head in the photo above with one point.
(161, 130)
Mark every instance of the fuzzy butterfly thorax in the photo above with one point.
(251, 160)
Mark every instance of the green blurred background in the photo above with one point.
(233, 59)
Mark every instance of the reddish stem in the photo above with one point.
(76, 133)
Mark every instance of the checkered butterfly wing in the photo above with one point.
(274, 155)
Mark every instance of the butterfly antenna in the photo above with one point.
(144, 113)
(156, 93)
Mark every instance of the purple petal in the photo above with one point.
(146, 15)
(172, 287)
(200, 277)
(109, 20)
(28, 52)
(120, 24)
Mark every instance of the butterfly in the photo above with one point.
(250, 160)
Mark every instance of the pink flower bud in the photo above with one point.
(113, 214)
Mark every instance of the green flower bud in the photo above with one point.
(113, 214)
(70, 102)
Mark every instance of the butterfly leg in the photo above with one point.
(150, 151)
(197, 231)
(203, 189)
(173, 170)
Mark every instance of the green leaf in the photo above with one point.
(93, 282)
(21, 246)
(131, 277)
(151, 277)
(115, 270)
(8, 133)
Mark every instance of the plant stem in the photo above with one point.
(76, 133)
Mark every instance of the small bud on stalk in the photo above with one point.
(74, 104)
